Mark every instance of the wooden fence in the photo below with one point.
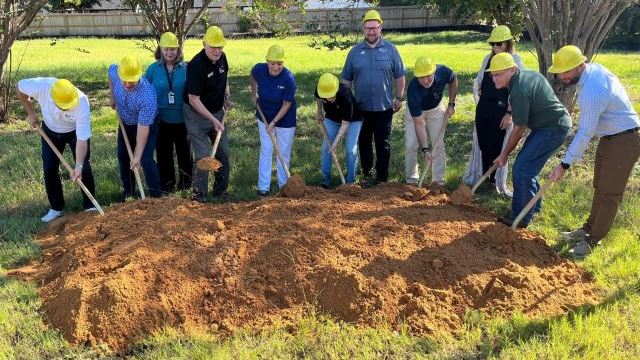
(133, 24)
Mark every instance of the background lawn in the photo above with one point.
(606, 331)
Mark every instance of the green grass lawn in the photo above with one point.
(606, 331)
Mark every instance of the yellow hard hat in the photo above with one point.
(501, 61)
(500, 33)
(567, 58)
(328, 86)
(169, 40)
(214, 37)
(275, 53)
(372, 15)
(64, 94)
(424, 67)
(129, 69)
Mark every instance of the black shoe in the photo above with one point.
(263, 193)
(221, 197)
(324, 186)
(200, 198)
(508, 222)
(368, 182)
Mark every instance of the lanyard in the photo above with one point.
(170, 76)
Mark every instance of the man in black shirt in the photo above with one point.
(206, 98)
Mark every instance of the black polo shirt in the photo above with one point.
(343, 108)
(207, 80)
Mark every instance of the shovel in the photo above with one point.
(428, 163)
(135, 169)
(530, 204)
(68, 167)
(333, 154)
(484, 177)
(275, 144)
(211, 163)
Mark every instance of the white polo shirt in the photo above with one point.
(57, 120)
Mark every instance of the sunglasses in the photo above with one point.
(496, 43)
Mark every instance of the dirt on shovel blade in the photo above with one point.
(295, 187)
(462, 195)
(208, 164)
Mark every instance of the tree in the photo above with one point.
(169, 15)
(76, 5)
(269, 16)
(15, 16)
(552, 24)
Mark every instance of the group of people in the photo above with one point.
(175, 106)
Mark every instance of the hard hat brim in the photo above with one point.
(424, 73)
(554, 69)
(67, 105)
(327, 94)
(500, 68)
(499, 39)
(216, 44)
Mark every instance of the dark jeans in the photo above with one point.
(147, 162)
(172, 135)
(490, 137)
(51, 165)
(376, 125)
(539, 146)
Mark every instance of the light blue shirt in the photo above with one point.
(159, 77)
(373, 72)
(135, 107)
(605, 109)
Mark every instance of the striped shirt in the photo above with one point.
(605, 109)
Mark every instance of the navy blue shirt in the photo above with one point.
(420, 98)
(272, 91)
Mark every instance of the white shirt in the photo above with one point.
(57, 120)
(605, 109)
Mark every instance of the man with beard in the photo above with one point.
(373, 66)
(605, 112)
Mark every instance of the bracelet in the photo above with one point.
(78, 166)
(400, 98)
(452, 104)
(508, 112)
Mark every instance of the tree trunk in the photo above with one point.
(556, 23)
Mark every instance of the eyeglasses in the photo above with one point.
(496, 43)
(372, 29)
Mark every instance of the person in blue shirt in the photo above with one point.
(168, 75)
(426, 114)
(273, 88)
(134, 98)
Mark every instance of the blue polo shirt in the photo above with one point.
(137, 107)
(158, 75)
(272, 91)
(373, 72)
(420, 98)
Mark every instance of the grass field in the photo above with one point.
(606, 331)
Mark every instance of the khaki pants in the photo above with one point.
(434, 119)
(615, 158)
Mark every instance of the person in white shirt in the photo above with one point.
(66, 120)
(605, 112)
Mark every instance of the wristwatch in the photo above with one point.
(452, 104)
(78, 166)
(565, 165)
(400, 98)
(425, 149)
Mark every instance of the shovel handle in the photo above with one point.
(273, 141)
(333, 155)
(530, 204)
(216, 142)
(68, 167)
(483, 178)
(433, 151)
(135, 169)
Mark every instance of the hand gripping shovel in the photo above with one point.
(68, 167)
(530, 204)
(333, 154)
(211, 163)
(275, 144)
(126, 143)
(433, 151)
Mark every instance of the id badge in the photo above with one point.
(172, 98)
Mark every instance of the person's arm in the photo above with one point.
(254, 90)
(228, 104)
(81, 153)
(141, 141)
(198, 106)
(319, 111)
(453, 92)
(514, 138)
(397, 101)
(32, 117)
(112, 99)
(286, 105)
(344, 126)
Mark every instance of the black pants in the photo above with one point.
(376, 125)
(51, 165)
(172, 135)
(490, 136)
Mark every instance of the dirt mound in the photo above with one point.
(462, 195)
(350, 190)
(295, 187)
(378, 257)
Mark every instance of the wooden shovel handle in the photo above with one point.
(126, 143)
(68, 167)
(216, 142)
(273, 141)
(530, 204)
(333, 155)
(483, 178)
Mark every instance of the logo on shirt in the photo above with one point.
(382, 49)
(221, 70)
(210, 74)
(362, 52)
(281, 87)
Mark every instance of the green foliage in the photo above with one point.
(626, 32)
(77, 5)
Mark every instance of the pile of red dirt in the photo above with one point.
(372, 258)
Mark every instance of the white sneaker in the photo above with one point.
(574, 236)
(90, 209)
(51, 215)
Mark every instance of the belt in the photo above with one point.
(623, 132)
